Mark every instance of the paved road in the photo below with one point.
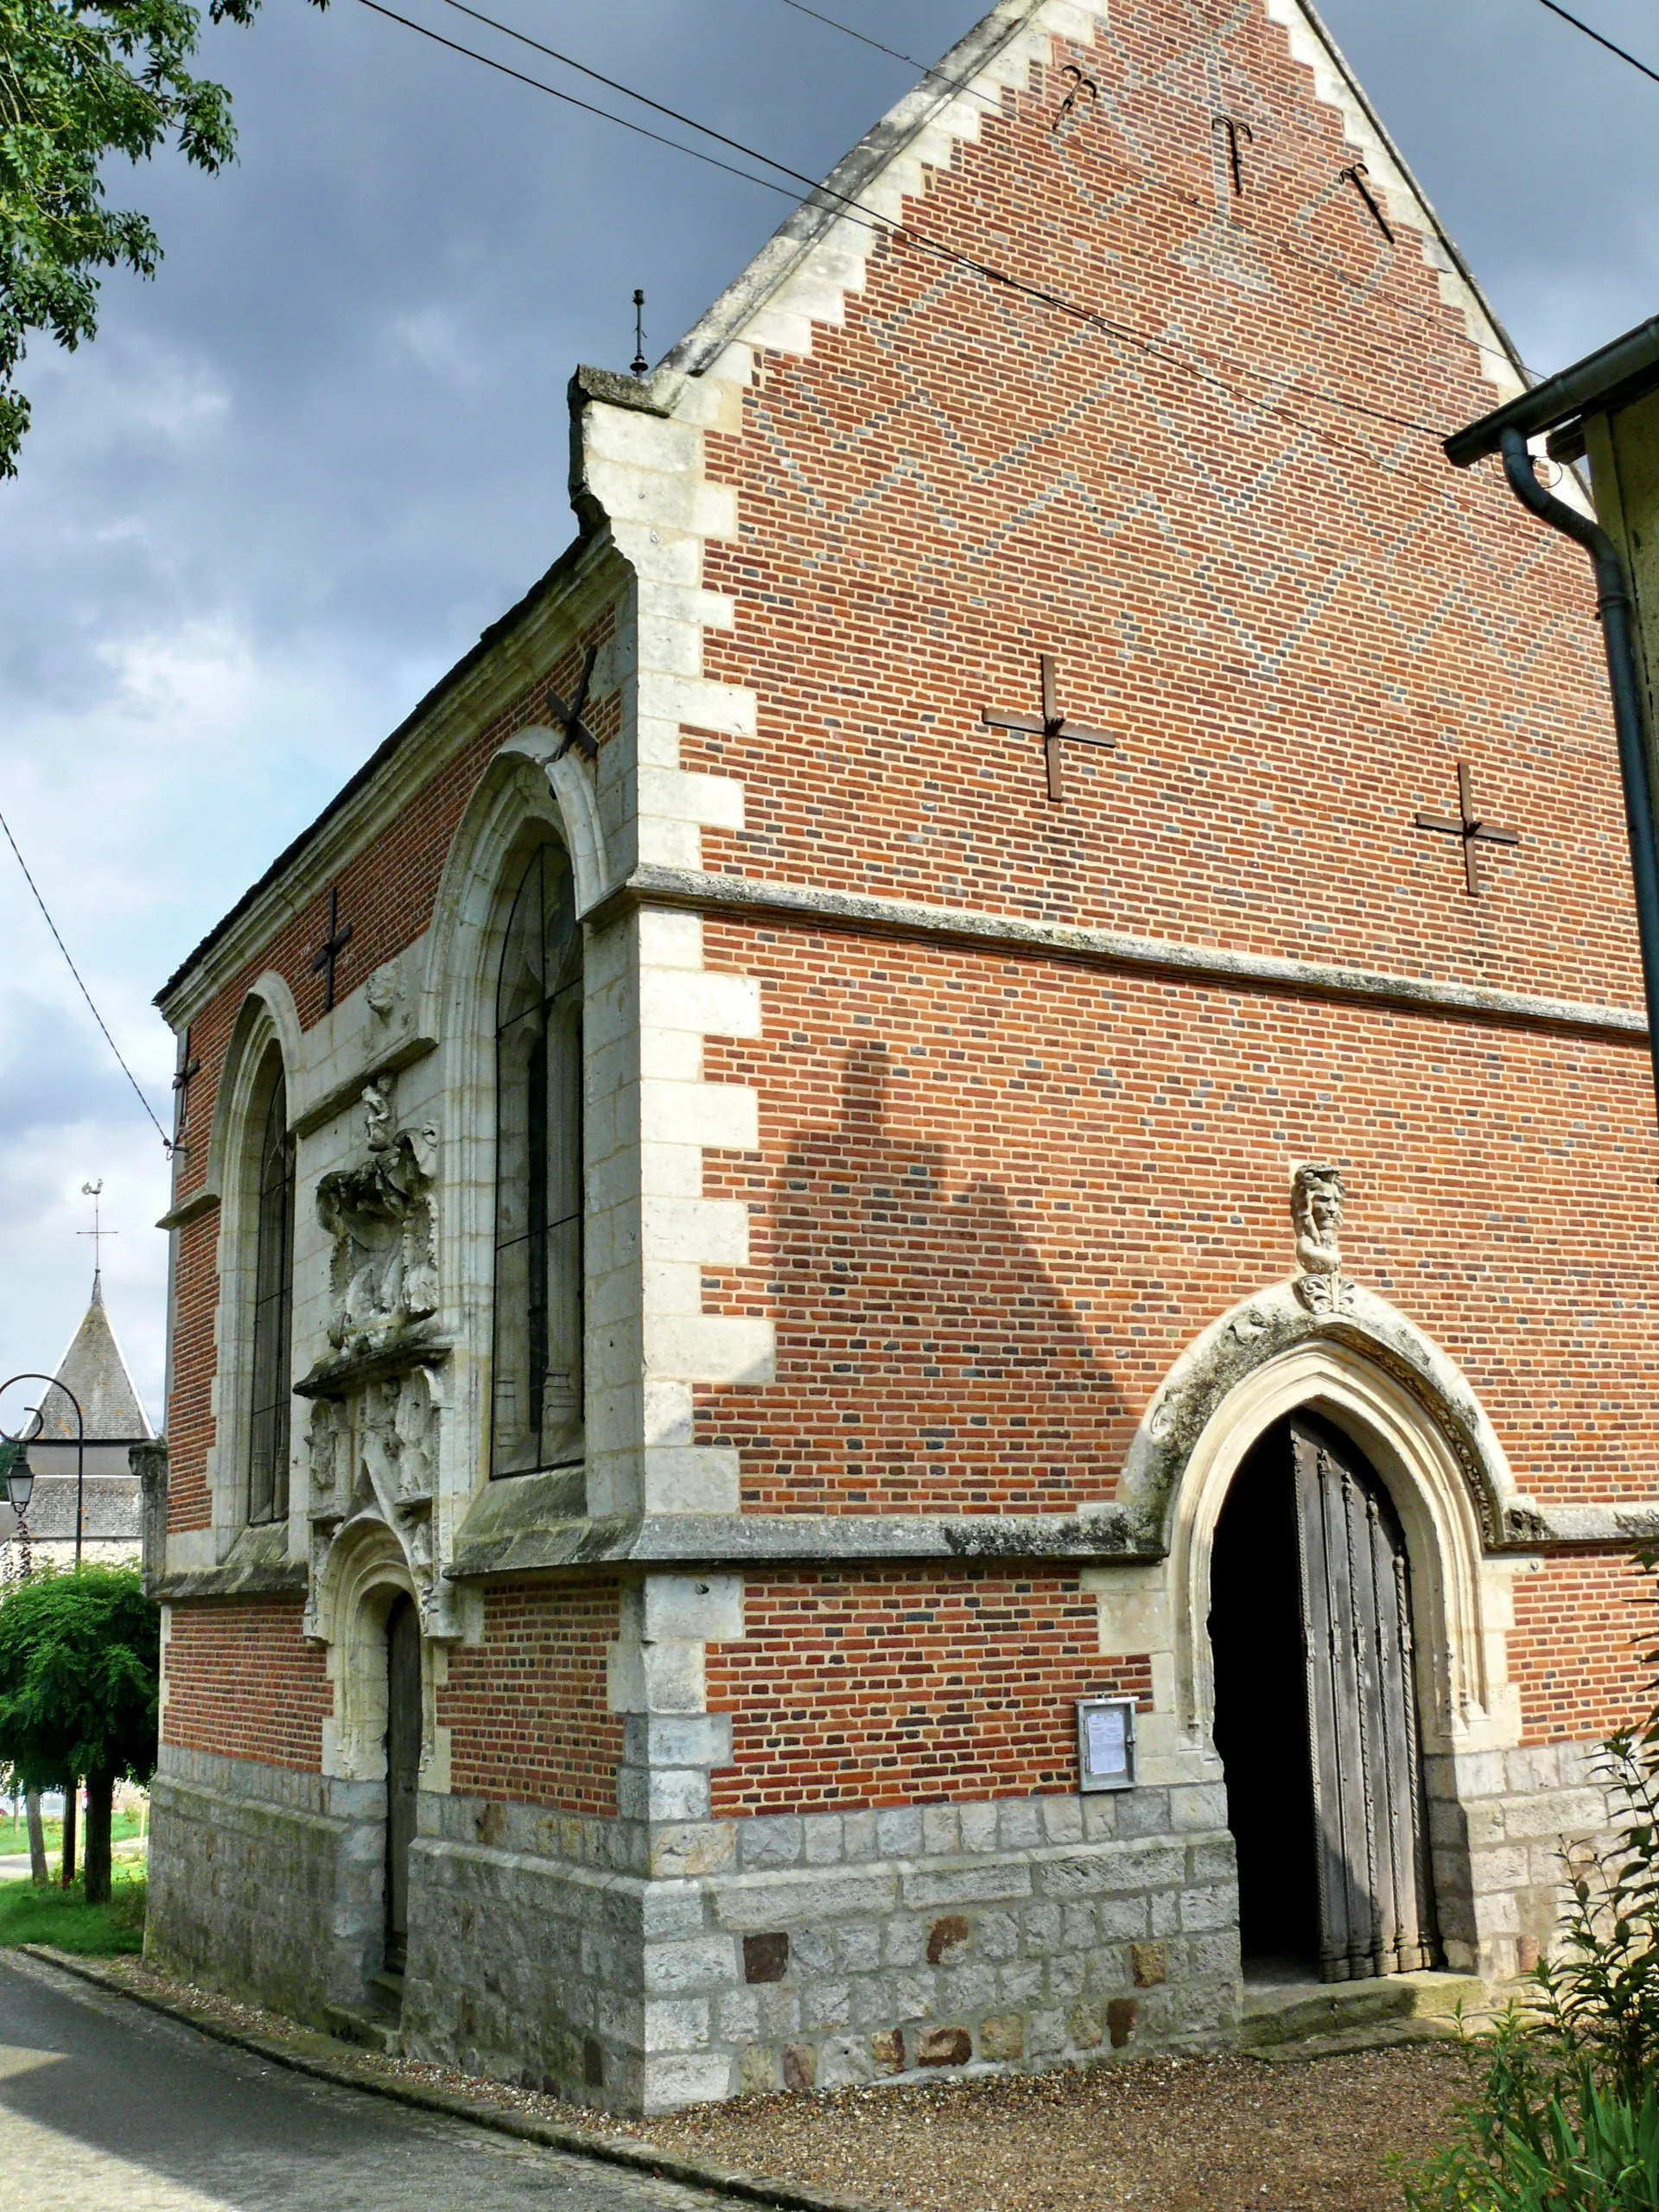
(102, 2102)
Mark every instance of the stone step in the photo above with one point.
(1383, 2035)
(356, 2023)
(1292, 2011)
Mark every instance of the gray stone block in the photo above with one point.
(1020, 1824)
(821, 1833)
(1143, 1812)
(941, 1835)
(858, 1948)
(769, 1840)
(981, 1881)
(1100, 1815)
(825, 2004)
(1062, 1820)
(675, 2023)
(858, 1835)
(898, 1832)
(978, 1824)
(1213, 1904)
(708, 1962)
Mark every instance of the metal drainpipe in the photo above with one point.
(1629, 718)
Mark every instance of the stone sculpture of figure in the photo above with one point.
(1316, 1215)
(376, 1115)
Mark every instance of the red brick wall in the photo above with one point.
(997, 1197)
(241, 1681)
(1294, 618)
(879, 1687)
(526, 1708)
(1582, 1625)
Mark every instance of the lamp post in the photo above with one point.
(21, 1467)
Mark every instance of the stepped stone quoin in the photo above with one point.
(892, 1215)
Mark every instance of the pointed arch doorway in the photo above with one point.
(1316, 1713)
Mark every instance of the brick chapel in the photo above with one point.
(912, 1262)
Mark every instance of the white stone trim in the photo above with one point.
(1460, 1595)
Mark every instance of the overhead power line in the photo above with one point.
(884, 227)
(1556, 10)
(84, 993)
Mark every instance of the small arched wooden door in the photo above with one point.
(403, 1769)
(1374, 1900)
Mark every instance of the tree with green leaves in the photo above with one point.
(81, 81)
(80, 1680)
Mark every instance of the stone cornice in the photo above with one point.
(748, 897)
(509, 655)
(1105, 1536)
(801, 1539)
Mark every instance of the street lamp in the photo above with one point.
(20, 1476)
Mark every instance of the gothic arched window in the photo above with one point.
(270, 1371)
(537, 1357)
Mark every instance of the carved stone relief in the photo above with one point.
(379, 1211)
(375, 1432)
(1316, 1201)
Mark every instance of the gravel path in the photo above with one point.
(1194, 2135)
(1160, 2135)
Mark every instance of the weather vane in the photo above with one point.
(97, 1232)
(639, 364)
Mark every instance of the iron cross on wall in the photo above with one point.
(1470, 828)
(327, 953)
(1052, 727)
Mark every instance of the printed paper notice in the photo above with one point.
(1108, 1739)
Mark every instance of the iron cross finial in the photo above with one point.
(576, 731)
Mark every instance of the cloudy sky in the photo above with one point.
(296, 474)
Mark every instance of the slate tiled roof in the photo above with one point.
(94, 1369)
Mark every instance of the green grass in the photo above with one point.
(14, 1835)
(63, 1917)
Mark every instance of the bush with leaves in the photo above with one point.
(81, 81)
(79, 1683)
(1565, 2115)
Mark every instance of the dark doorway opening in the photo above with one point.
(402, 1770)
(1316, 1716)
(1255, 1639)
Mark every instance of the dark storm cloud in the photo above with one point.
(296, 475)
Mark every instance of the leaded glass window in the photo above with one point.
(273, 1317)
(538, 1359)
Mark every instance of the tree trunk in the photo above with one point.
(38, 1869)
(100, 1806)
(66, 1870)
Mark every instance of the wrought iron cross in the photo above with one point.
(1052, 727)
(188, 1068)
(1470, 828)
(576, 731)
(329, 951)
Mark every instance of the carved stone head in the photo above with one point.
(384, 991)
(1316, 1216)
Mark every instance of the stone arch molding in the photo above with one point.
(511, 798)
(366, 1571)
(1367, 1368)
(267, 1015)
